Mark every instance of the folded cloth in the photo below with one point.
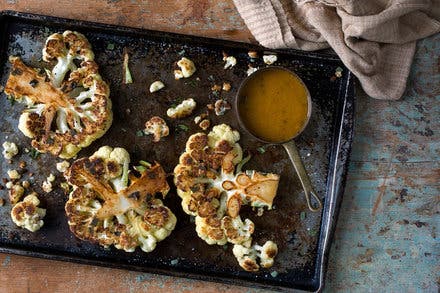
(374, 38)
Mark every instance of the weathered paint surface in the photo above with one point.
(386, 238)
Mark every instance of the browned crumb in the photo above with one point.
(2, 202)
(210, 107)
(22, 164)
(204, 124)
(216, 88)
(25, 184)
(226, 86)
(253, 54)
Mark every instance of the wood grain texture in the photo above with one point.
(208, 18)
(386, 237)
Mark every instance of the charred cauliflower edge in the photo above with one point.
(109, 205)
(213, 188)
(27, 214)
(66, 108)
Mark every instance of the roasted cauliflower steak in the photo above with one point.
(109, 205)
(66, 108)
(213, 188)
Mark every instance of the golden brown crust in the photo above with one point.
(213, 193)
(250, 265)
(99, 212)
(92, 171)
(58, 118)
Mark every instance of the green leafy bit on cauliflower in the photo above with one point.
(110, 205)
(68, 107)
(213, 188)
(27, 214)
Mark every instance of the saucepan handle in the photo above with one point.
(310, 194)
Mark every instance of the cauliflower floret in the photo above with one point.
(221, 106)
(111, 206)
(16, 191)
(13, 174)
(157, 127)
(204, 124)
(62, 166)
(47, 184)
(178, 74)
(230, 61)
(202, 121)
(50, 178)
(156, 86)
(267, 253)
(248, 256)
(25, 184)
(10, 150)
(213, 188)
(55, 48)
(27, 214)
(67, 108)
(237, 231)
(270, 59)
(182, 110)
(187, 68)
(209, 229)
(224, 132)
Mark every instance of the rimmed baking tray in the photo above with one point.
(303, 237)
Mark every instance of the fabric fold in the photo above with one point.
(375, 39)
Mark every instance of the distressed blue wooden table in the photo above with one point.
(387, 233)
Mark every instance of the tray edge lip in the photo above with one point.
(336, 199)
(120, 28)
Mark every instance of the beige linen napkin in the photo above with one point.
(374, 38)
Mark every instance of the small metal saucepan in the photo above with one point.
(288, 144)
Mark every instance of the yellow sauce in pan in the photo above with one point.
(273, 105)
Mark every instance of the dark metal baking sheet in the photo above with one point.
(303, 237)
